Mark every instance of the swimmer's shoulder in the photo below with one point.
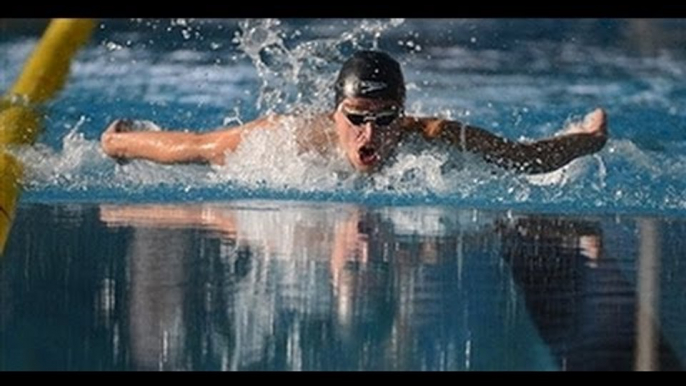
(429, 127)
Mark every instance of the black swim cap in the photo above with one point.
(370, 74)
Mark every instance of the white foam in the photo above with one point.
(461, 82)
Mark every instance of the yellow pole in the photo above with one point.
(43, 76)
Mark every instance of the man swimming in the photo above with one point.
(367, 124)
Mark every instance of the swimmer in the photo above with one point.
(366, 125)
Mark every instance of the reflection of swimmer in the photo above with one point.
(346, 281)
(366, 126)
(580, 299)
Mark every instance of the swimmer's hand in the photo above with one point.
(593, 125)
(127, 125)
(109, 139)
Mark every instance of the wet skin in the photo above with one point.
(369, 143)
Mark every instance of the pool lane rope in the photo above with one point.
(21, 118)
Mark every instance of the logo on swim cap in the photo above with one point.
(370, 74)
(367, 86)
(363, 87)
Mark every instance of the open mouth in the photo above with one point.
(368, 155)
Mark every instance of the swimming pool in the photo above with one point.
(284, 265)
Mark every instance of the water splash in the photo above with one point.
(417, 176)
(294, 75)
(204, 81)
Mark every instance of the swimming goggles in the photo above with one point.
(383, 118)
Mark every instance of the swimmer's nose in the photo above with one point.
(367, 129)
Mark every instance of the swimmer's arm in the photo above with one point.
(178, 147)
(173, 217)
(535, 157)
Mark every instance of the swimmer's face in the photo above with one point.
(368, 130)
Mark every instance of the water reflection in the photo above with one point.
(583, 303)
(300, 286)
(322, 287)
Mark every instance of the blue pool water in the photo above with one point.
(439, 262)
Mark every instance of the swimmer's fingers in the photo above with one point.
(127, 125)
(595, 122)
(108, 138)
(119, 126)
